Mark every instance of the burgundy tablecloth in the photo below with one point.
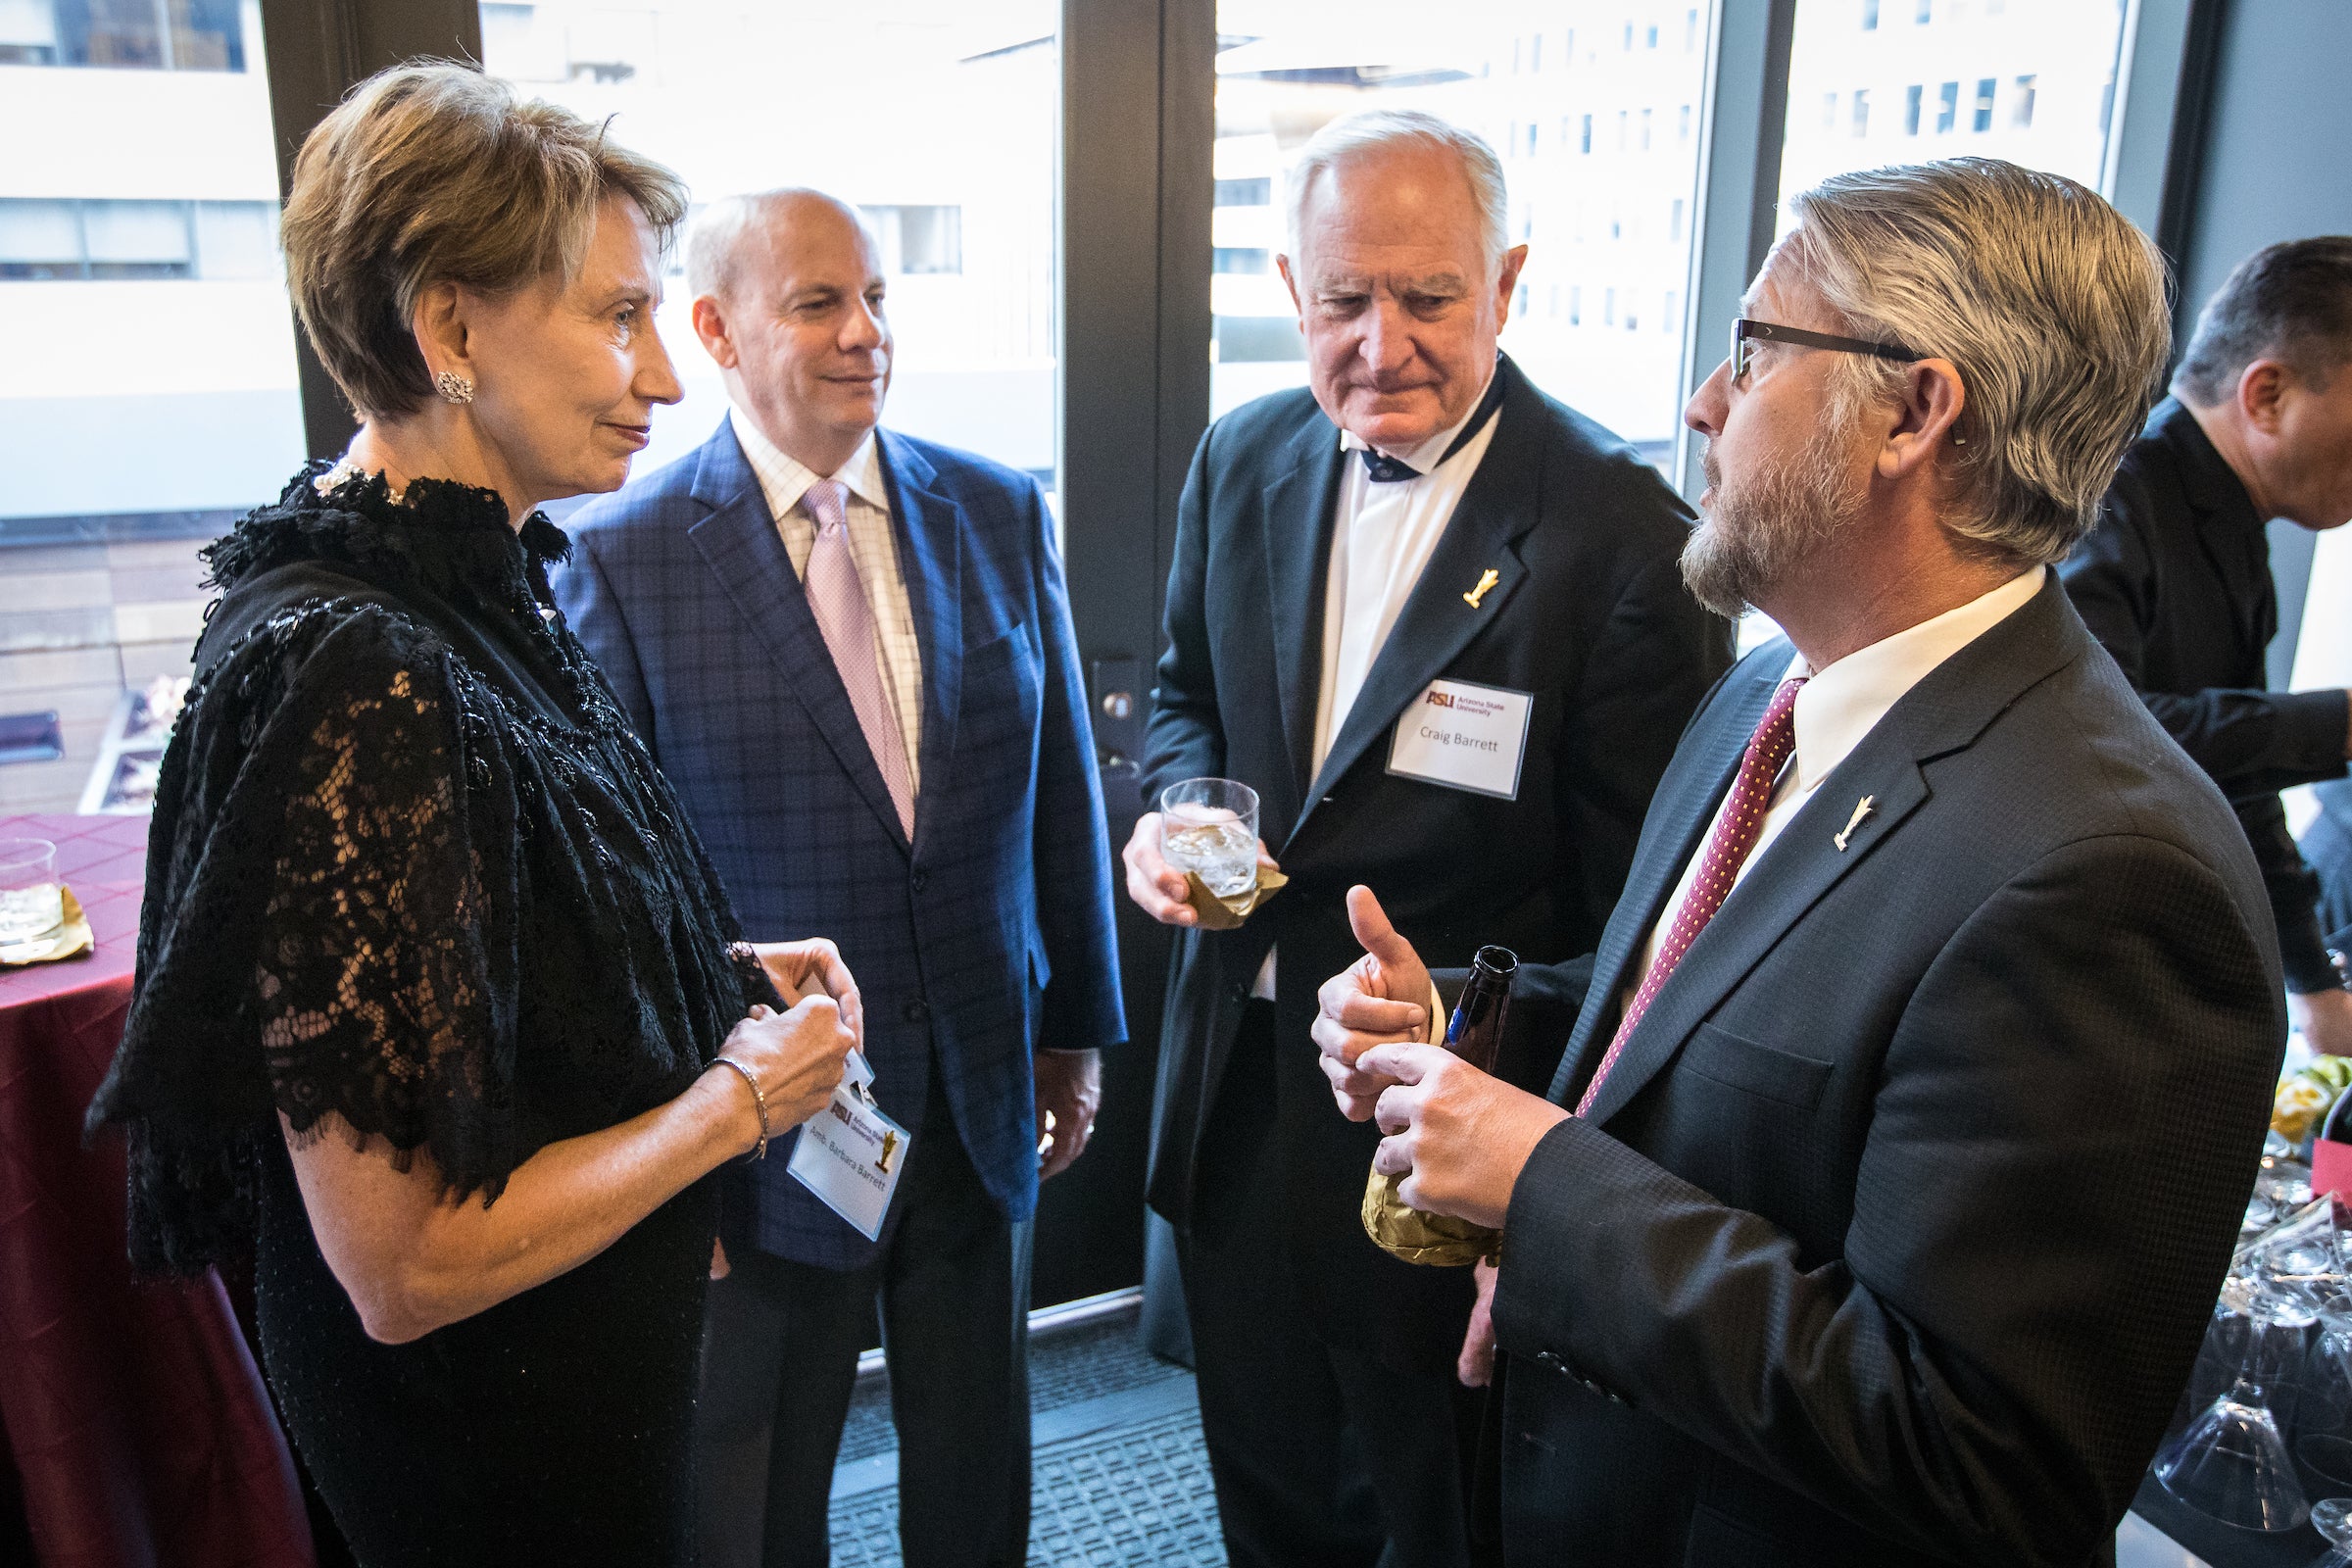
(136, 1416)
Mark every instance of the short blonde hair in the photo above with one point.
(432, 172)
(2049, 301)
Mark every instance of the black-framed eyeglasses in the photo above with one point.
(1745, 332)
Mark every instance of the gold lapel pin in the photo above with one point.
(1861, 810)
(1486, 580)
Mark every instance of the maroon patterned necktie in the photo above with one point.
(1727, 850)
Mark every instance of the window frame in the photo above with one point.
(1135, 197)
(1137, 191)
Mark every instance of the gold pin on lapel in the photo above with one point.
(1486, 580)
(1861, 810)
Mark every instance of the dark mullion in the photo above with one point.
(316, 51)
(1746, 102)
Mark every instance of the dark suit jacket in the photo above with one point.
(1588, 612)
(1895, 1230)
(2327, 847)
(2176, 582)
(989, 932)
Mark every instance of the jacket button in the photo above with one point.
(1550, 1363)
(921, 879)
(915, 1011)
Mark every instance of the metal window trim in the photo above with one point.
(315, 51)
(1744, 98)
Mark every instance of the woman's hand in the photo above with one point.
(810, 968)
(796, 1057)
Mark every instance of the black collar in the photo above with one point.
(440, 533)
(1385, 470)
(2207, 480)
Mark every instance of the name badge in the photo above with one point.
(851, 1156)
(1464, 737)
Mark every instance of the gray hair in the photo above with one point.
(1378, 129)
(2046, 299)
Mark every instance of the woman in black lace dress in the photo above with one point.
(440, 1007)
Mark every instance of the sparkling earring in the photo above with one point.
(453, 387)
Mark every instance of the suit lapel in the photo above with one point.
(1298, 515)
(1693, 787)
(738, 540)
(1438, 620)
(1796, 870)
(930, 540)
(1945, 712)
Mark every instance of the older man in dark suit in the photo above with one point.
(850, 652)
(2175, 579)
(1877, 1209)
(1420, 544)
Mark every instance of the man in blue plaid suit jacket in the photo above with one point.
(982, 944)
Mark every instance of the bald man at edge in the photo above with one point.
(850, 652)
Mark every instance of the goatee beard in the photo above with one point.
(1759, 531)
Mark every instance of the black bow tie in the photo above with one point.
(1388, 470)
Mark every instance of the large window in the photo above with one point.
(147, 393)
(1594, 110)
(124, 34)
(936, 118)
(2033, 81)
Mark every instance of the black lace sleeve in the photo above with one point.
(324, 935)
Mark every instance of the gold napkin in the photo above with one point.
(69, 941)
(1437, 1239)
(1225, 915)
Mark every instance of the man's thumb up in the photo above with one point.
(1395, 968)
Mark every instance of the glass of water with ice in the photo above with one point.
(1210, 826)
(31, 908)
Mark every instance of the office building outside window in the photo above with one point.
(937, 121)
(2038, 80)
(147, 395)
(1283, 71)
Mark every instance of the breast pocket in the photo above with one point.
(1726, 1059)
(1002, 685)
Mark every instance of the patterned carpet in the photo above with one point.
(1119, 1475)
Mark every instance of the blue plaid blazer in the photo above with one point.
(987, 936)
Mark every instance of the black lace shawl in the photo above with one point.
(409, 867)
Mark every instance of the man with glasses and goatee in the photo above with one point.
(1875, 1214)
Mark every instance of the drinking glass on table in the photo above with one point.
(2233, 1464)
(32, 905)
(2323, 1407)
(2332, 1519)
(1208, 826)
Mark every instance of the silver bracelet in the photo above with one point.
(757, 1099)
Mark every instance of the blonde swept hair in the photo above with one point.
(432, 172)
(2047, 299)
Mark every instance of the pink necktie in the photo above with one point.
(1728, 849)
(838, 599)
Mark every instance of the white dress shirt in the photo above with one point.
(873, 548)
(1835, 709)
(1381, 538)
